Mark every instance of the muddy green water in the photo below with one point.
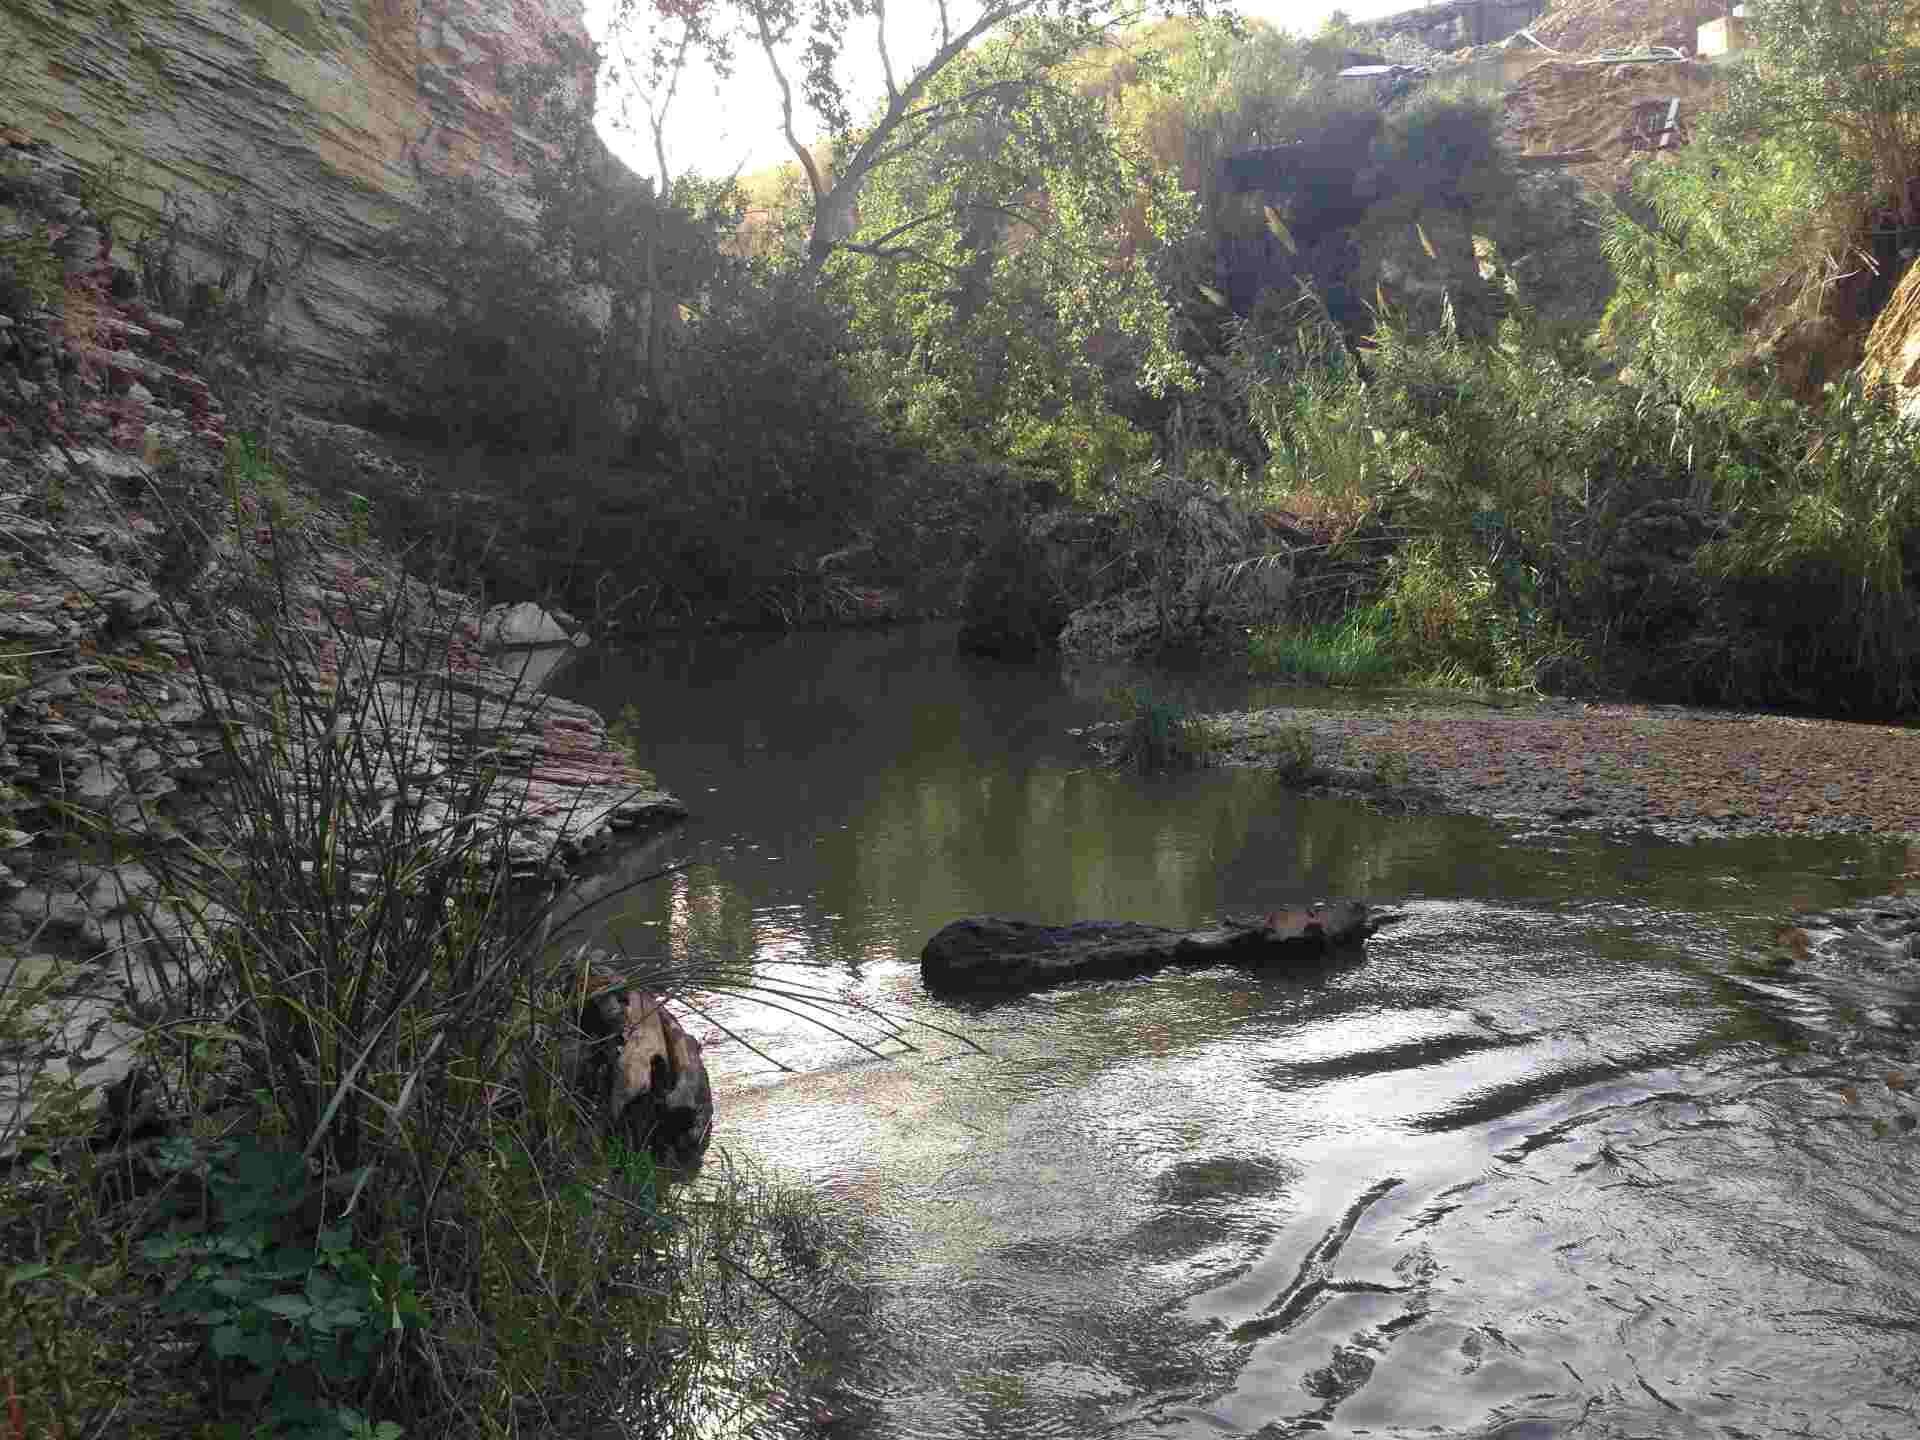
(1571, 1151)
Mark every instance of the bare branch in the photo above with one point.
(886, 60)
(805, 155)
(900, 252)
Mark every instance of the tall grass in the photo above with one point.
(381, 1203)
(1355, 649)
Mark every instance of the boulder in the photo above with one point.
(639, 1064)
(989, 953)
(508, 626)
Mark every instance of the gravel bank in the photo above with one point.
(1687, 774)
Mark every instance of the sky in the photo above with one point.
(717, 125)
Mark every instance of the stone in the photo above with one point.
(522, 624)
(15, 625)
(60, 911)
(130, 605)
(988, 953)
(97, 782)
(638, 1064)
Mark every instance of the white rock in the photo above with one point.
(522, 624)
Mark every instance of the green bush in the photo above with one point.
(306, 1311)
(1441, 145)
(1818, 583)
(1291, 749)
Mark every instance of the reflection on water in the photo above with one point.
(1570, 1151)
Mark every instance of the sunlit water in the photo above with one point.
(1573, 1150)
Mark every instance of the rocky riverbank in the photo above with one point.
(1681, 773)
(163, 582)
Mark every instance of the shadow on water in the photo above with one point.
(1573, 1150)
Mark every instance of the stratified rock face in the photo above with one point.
(319, 115)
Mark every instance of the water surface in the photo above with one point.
(1575, 1149)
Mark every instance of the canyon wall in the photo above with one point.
(312, 122)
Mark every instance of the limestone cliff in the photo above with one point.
(320, 117)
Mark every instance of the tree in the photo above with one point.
(1842, 79)
(1012, 272)
(613, 231)
(918, 109)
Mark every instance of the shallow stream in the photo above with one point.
(1575, 1149)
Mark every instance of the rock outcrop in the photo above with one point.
(1893, 345)
(140, 552)
(988, 954)
(310, 121)
(638, 1063)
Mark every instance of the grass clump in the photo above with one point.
(1291, 750)
(355, 1189)
(1352, 650)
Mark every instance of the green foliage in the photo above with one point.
(306, 1311)
(1160, 734)
(1821, 575)
(509, 358)
(1762, 216)
(1733, 223)
(1352, 650)
(1390, 767)
(1009, 267)
(1291, 750)
(1841, 83)
(1452, 624)
(1441, 146)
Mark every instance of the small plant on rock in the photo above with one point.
(1291, 748)
(1161, 734)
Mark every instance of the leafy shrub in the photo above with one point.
(300, 1305)
(1441, 145)
(1291, 748)
(1819, 582)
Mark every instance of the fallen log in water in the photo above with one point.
(988, 953)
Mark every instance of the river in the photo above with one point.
(1575, 1149)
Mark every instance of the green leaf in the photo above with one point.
(25, 1274)
(290, 1307)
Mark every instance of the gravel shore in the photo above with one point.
(1687, 774)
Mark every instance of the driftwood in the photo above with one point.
(987, 953)
(645, 1072)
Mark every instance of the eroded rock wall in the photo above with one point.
(319, 117)
(1893, 345)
